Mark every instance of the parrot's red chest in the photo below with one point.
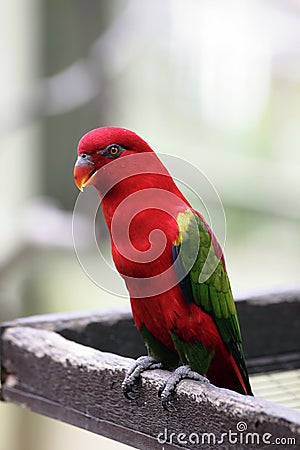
(144, 248)
(143, 256)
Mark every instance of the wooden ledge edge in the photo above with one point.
(41, 368)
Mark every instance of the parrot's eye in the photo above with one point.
(83, 155)
(113, 151)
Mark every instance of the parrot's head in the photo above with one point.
(99, 147)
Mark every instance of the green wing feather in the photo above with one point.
(210, 287)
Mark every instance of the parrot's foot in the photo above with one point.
(167, 389)
(131, 381)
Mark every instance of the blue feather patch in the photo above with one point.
(185, 283)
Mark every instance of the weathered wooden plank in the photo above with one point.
(270, 327)
(80, 385)
(112, 331)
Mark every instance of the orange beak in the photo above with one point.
(82, 173)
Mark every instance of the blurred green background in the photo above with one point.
(215, 83)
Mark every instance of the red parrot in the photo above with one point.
(171, 262)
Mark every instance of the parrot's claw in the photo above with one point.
(167, 389)
(166, 400)
(131, 381)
